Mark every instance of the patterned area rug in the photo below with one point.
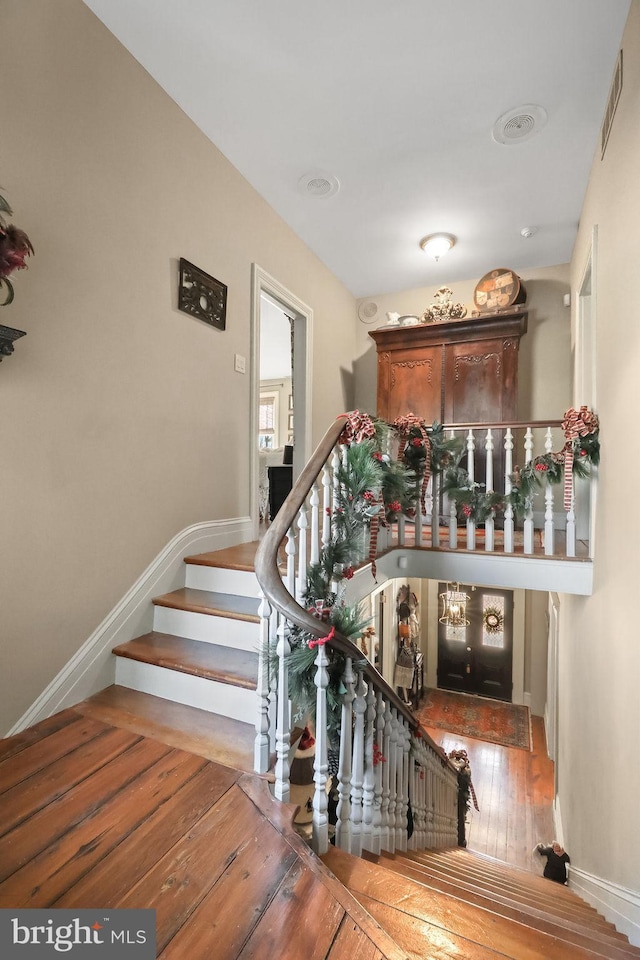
(508, 724)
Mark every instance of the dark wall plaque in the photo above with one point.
(201, 295)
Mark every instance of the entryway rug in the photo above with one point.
(508, 724)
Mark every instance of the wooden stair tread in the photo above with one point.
(195, 657)
(211, 603)
(444, 915)
(575, 910)
(240, 557)
(545, 918)
(228, 742)
(505, 873)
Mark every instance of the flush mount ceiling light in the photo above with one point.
(519, 124)
(437, 244)
(528, 232)
(318, 185)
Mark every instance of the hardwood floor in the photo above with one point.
(93, 815)
(515, 791)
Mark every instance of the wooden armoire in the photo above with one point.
(452, 371)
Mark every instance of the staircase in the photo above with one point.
(191, 681)
(457, 903)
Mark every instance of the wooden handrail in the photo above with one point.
(269, 577)
(503, 425)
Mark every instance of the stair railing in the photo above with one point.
(387, 763)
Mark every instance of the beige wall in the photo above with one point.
(115, 407)
(544, 367)
(599, 774)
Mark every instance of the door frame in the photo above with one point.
(517, 663)
(263, 282)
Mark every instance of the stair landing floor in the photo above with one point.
(95, 815)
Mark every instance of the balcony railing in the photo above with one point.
(354, 501)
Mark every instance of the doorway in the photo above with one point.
(477, 658)
(292, 421)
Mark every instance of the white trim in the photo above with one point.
(618, 904)
(263, 283)
(526, 699)
(92, 667)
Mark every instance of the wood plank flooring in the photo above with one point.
(94, 815)
(515, 794)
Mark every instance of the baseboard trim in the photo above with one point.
(93, 667)
(618, 904)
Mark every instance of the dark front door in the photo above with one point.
(477, 658)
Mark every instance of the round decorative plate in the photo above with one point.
(498, 290)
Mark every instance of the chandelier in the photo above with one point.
(454, 606)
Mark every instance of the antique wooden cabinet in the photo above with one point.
(453, 371)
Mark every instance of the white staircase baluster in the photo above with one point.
(320, 820)
(283, 719)
(261, 749)
(453, 513)
(326, 504)
(571, 524)
(528, 515)
(435, 510)
(335, 485)
(393, 785)
(471, 525)
(357, 772)
(303, 525)
(368, 783)
(489, 524)
(548, 502)
(378, 765)
(401, 530)
(386, 752)
(290, 550)
(401, 800)
(429, 798)
(343, 825)
(508, 470)
(417, 524)
(314, 501)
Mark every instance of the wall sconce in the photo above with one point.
(454, 606)
(437, 244)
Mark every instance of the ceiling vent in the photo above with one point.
(520, 124)
(368, 311)
(318, 185)
(612, 103)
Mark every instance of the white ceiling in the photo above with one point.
(397, 100)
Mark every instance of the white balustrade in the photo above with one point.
(369, 778)
(343, 813)
(320, 820)
(262, 745)
(357, 771)
(283, 719)
(508, 470)
(489, 524)
(471, 470)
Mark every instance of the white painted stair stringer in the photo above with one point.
(241, 634)
(224, 699)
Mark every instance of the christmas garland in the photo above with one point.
(372, 490)
(580, 453)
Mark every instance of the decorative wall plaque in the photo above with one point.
(201, 295)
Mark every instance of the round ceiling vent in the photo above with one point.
(368, 311)
(519, 124)
(318, 185)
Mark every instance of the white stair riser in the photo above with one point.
(201, 626)
(242, 583)
(219, 698)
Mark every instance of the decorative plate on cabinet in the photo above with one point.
(498, 290)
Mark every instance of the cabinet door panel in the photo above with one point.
(414, 381)
(475, 381)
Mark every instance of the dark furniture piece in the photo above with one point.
(455, 371)
(280, 483)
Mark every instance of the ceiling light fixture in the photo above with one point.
(528, 232)
(437, 244)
